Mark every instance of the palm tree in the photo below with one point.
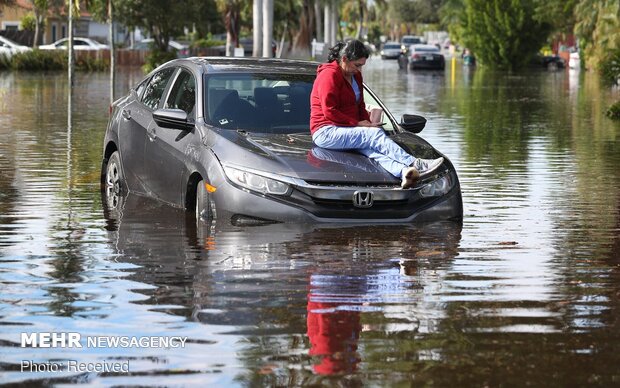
(231, 9)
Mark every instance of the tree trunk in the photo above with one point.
(232, 31)
(303, 37)
(318, 21)
(334, 20)
(257, 24)
(360, 26)
(328, 24)
(37, 27)
(267, 28)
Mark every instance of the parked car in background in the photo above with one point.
(426, 56)
(78, 44)
(407, 40)
(391, 50)
(228, 139)
(550, 62)
(8, 47)
(182, 49)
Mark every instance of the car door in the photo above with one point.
(168, 150)
(136, 118)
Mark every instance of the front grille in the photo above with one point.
(358, 185)
(349, 204)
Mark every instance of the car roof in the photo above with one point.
(76, 38)
(9, 41)
(248, 65)
(171, 42)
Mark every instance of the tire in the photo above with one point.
(114, 177)
(114, 186)
(205, 208)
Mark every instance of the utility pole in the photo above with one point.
(70, 48)
(112, 56)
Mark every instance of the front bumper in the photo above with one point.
(335, 204)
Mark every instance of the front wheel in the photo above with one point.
(114, 181)
(205, 208)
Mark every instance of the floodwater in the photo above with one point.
(525, 291)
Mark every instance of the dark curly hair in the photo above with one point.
(352, 50)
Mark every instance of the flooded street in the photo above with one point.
(525, 291)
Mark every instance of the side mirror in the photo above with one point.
(172, 118)
(412, 123)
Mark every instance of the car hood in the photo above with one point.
(296, 156)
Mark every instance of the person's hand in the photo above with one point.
(366, 123)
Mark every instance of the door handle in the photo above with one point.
(126, 114)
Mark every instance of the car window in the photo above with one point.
(155, 88)
(182, 95)
(140, 88)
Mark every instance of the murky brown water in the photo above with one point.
(524, 292)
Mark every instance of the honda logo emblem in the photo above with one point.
(362, 199)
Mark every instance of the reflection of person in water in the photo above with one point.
(333, 337)
(333, 329)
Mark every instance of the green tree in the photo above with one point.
(414, 11)
(559, 13)
(503, 33)
(28, 22)
(598, 29)
(452, 18)
(231, 10)
(207, 19)
(163, 19)
(40, 8)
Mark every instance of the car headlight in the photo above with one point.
(255, 182)
(437, 188)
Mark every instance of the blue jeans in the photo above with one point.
(370, 141)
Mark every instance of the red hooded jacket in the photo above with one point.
(332, 101)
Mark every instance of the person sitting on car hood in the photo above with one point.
(339, 120)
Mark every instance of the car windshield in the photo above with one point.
(392, 46)
(268, 103)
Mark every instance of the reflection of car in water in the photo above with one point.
(285, 281)
(229, 138)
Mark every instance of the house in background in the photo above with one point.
(57, 26)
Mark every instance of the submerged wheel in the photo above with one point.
(205, 208)
(114, 183)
